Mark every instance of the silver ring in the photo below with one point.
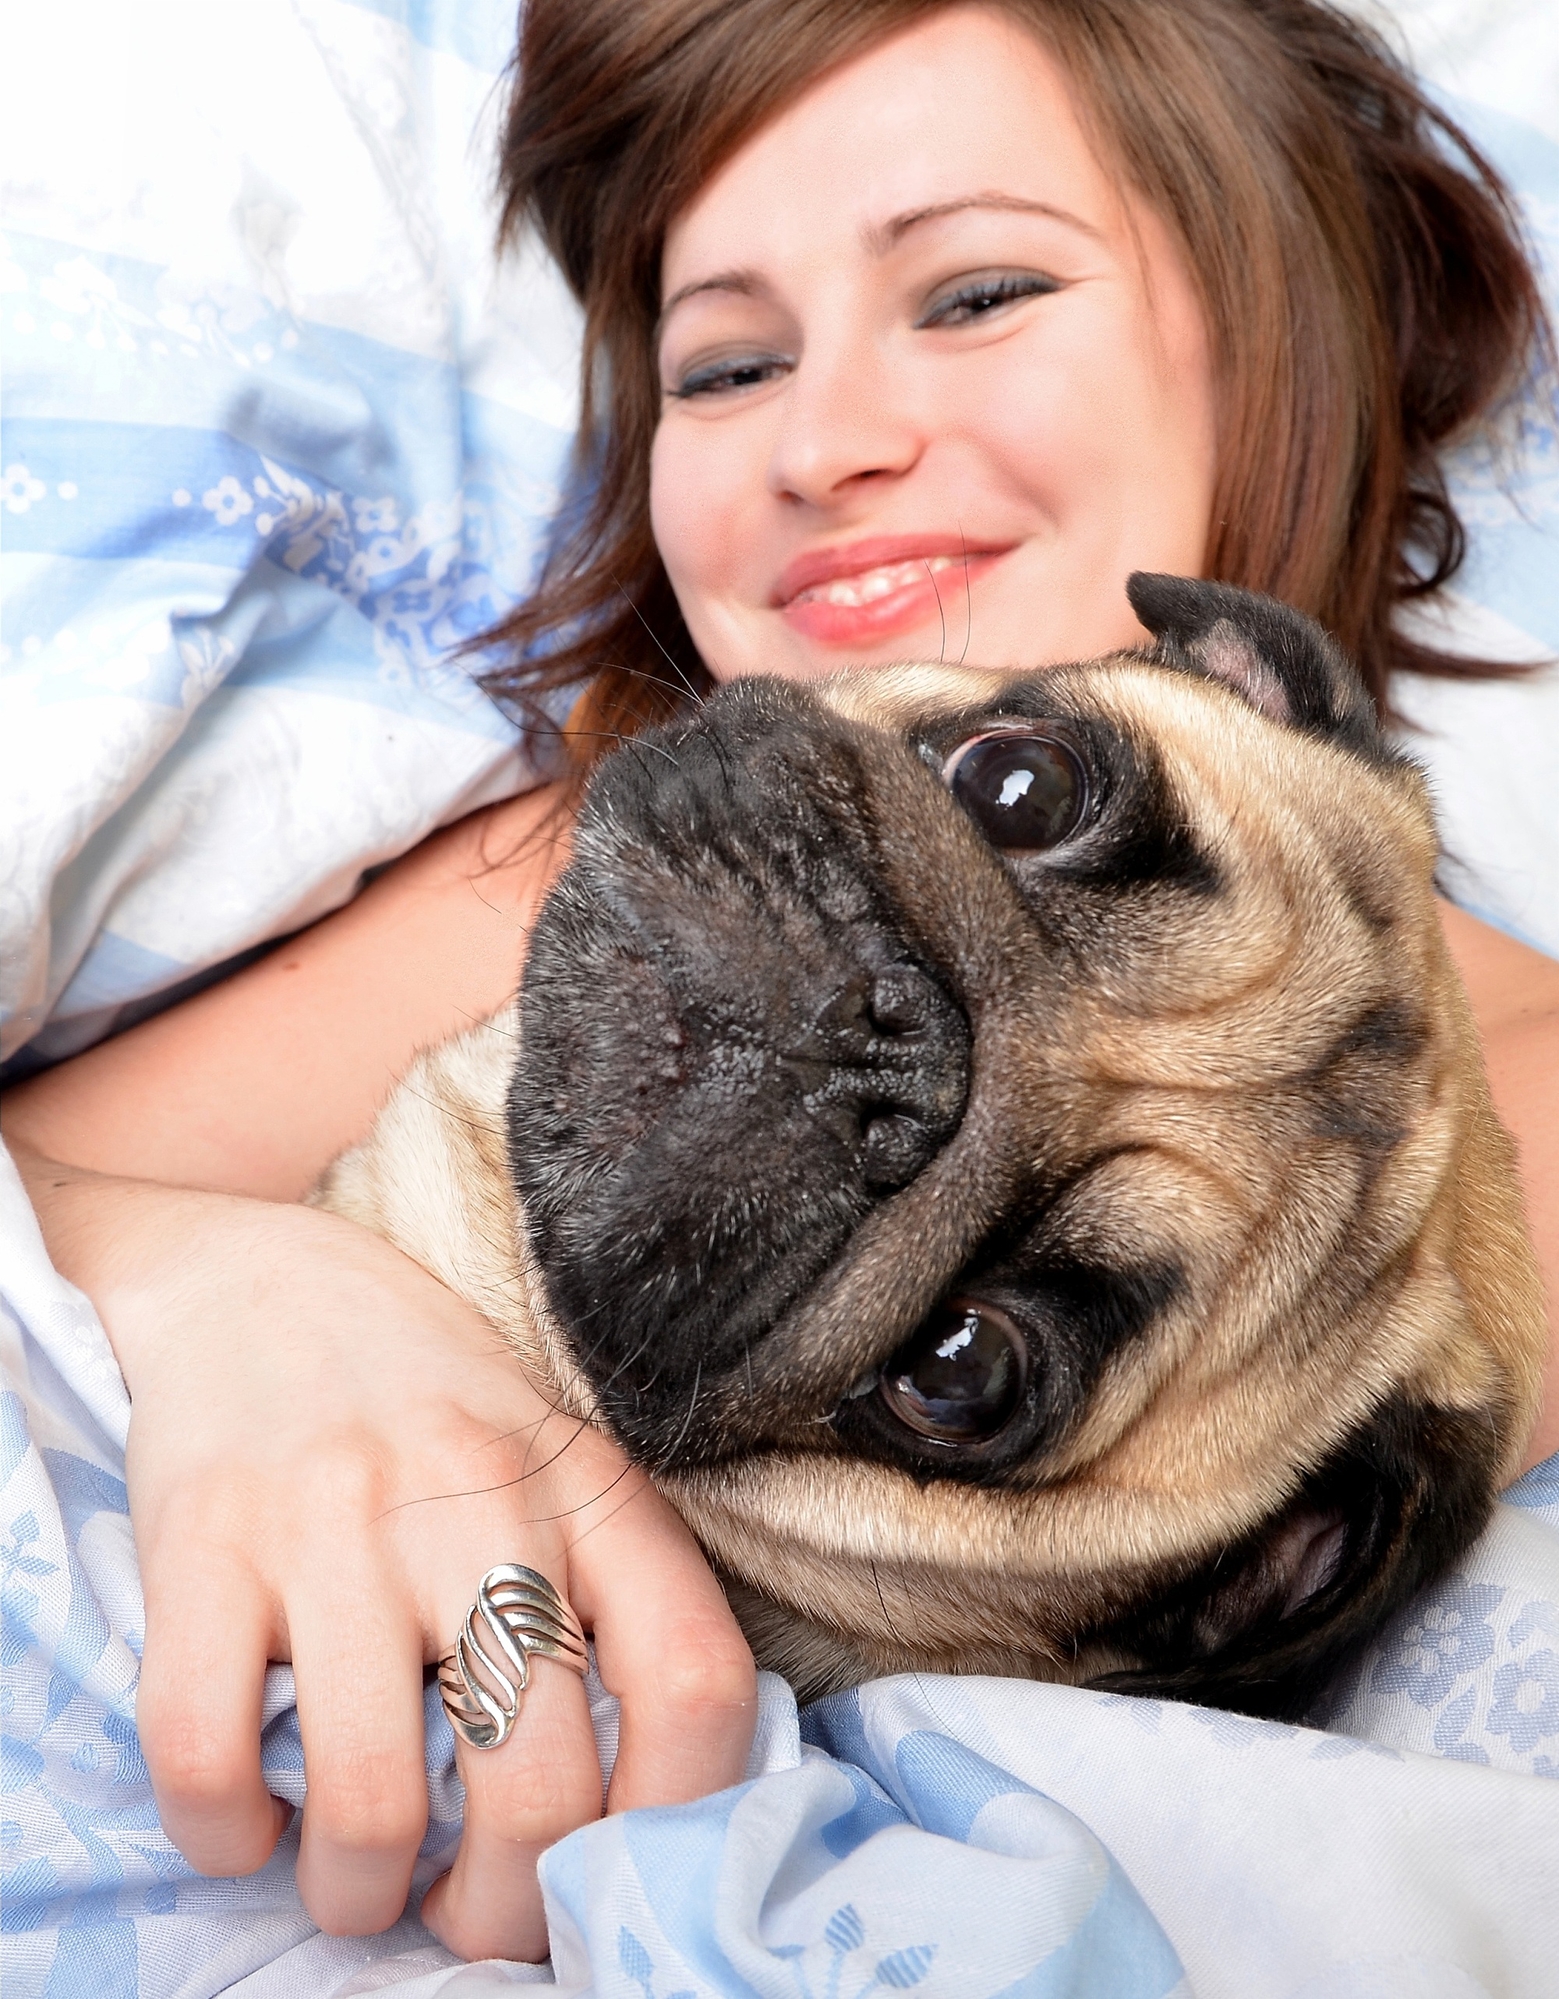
(519, 1613)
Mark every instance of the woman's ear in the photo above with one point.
(1273, 656)
(1268, 1624)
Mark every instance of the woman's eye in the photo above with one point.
(978, 297)
(959, 1380)
(1024, 790)
(724, 377)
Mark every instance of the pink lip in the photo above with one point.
(900, 610)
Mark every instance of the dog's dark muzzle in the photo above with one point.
(729, 1056)
(883, 1071)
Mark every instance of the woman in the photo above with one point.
(912, 328)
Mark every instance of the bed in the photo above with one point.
(278, 434)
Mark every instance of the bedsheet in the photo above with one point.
(961, 1838)
(277, 435)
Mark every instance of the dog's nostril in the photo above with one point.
(901, 1001)
(897, 1147)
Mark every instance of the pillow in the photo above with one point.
(1492, 749)
(279, 434)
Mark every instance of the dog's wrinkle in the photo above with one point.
(1371, 1079)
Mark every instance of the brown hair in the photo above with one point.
(1359, 262)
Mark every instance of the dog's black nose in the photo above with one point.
(886, 1067)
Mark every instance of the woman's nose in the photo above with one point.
(841, 424)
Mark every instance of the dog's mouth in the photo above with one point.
(731, 1055)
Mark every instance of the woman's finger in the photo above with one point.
(544, 1782)
(667, 1645)
(357, 1655)
(197, 1711)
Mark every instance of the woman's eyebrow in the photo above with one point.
(884, 236)
(746, 284)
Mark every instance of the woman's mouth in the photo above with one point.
(865, 594)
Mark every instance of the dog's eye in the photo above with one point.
(1024, 791)
(960, 1378)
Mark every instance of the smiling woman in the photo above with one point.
(889, 425)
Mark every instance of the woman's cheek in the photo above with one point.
(701, 515)
(676, 504)
(706, 487)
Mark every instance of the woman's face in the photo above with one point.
(933, 382)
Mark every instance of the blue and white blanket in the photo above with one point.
(277, 435)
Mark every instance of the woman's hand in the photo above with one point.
(327, 1451)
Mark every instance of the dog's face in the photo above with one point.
(1008, 1154)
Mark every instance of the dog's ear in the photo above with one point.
(1266, 1625)
(1280, 661)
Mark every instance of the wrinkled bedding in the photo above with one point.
(278, 434)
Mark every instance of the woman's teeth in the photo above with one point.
(869, 584)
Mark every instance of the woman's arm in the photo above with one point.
(256, 1084)
(1515, 999)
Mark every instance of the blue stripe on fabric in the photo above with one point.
(176, 491)
(124, 477)
(677, 1854)
(947, 1786)
(480, 32)
(97, 1956)
(114, 970)
(837, 1726)
(1117, 1952)
(870, 1810)
(1537, 1488)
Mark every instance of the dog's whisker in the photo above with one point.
(670, 1455)
(606, 1519)
(968, 597)
(584, 1506)
(656, 642)
(941, 654)
(494, 1130)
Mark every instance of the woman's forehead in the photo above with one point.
(963, 117)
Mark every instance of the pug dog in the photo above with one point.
(1010, 1156)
